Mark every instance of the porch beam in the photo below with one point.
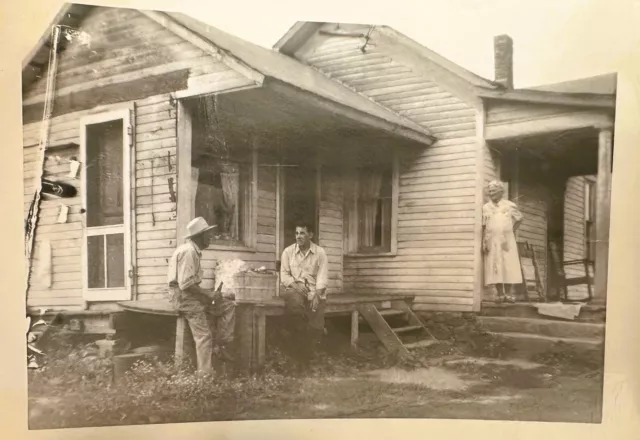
(603, 210)
(183, 159)
(481, 151)
(554, 98)
(208, 84)
(546, 125)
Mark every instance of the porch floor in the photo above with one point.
(336, 304)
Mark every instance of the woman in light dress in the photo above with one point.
(500, 219)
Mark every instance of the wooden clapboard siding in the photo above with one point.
(437, 185)
(65, 289)
(156, 235)
(330, 225)
(491, 164)
(125, 45)
(532, 202)
(65, 238)
(574, 232)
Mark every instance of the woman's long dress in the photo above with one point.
(501, 262)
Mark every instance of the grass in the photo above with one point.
(75, 388)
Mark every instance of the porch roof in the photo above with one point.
(266, 67)
(591, 93)
(279, 70)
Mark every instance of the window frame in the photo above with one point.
(251, 210)
(107, 294)
(353, 212)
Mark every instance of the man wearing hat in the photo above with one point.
(203, 308)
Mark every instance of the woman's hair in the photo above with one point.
(495, 185)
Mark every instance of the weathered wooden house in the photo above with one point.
(551, 145)
(168, 119)
(379, 142)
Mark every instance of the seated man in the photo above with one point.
(303, 273)
(206, 311)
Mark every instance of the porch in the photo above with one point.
(557, 170)
(252, 318)
(258, 160)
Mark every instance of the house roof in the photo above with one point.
(596, 85)
(269, 63)
(35, 63)
(275, 65)
(597, 92)
(302, 31)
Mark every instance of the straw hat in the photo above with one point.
(197, 226)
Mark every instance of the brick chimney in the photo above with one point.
(503, 60)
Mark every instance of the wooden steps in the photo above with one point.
(394, 338)
(409, 328)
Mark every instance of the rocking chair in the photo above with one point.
(562, 281)
(530, 272)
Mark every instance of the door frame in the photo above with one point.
(281, 213)
(109, 294)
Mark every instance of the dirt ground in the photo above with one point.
(442, 382)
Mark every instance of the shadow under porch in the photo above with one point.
(557, 180)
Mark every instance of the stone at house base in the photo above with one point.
(592, 313)
(451, 326)
(526, 345)
(542, 327)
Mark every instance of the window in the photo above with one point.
(590, 218)
(105, 155)
(371, 203)
(223, 193)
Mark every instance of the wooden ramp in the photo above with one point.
(397, 327)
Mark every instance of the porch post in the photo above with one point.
(603, 209)
(183, 159)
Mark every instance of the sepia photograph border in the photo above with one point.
(22, 25)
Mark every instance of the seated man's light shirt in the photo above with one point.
(310, 266)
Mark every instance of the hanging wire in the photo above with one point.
(366, 39)
(32, 218)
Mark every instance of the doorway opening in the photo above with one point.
(300, 201)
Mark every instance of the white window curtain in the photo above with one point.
(370, 186)
(230, 177)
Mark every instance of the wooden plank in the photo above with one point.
(354, 328)
(245, 335)
(382, 330)
(181, 339)
(395, 198)
(416, 272)
(205, 46)
(478, 284)
(557, 123)
(603, 210)
(261, 326)
(442, 308)
(110, 94)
